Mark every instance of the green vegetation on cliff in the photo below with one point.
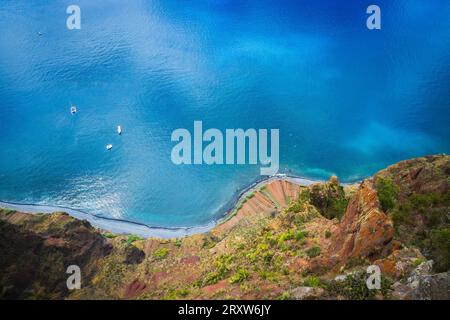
(387, 193)
(329, 198)
(416, 195)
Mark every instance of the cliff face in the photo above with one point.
(282, 241)
(36, 250)
(416, 196)
(364, 230)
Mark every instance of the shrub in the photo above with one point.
(336, 207)
(329, 199)
(440, 247)
(222, 265)
(387, 193)
(267, 256)
(270, 238)
(313, 252)
(418, 262)
(327, 234)
(240, 276)
(311, 282)
(300, 235)
(354, 287)
(183, 292)
(304, 195)
(296, 207)
(212, 278)
(285, 236)
(209, 241)
(267, 275)
(285, 296)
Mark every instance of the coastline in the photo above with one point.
(123, 226)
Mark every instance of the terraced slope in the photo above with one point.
(273, 197)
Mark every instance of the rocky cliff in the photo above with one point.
(282, 241)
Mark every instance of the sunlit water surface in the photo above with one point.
(347, 101)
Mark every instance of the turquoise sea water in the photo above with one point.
(347, 101)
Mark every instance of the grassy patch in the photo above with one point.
(109, 235)
(132, 238)
(222, 268)
(161, 253)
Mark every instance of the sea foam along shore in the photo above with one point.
(121, 226)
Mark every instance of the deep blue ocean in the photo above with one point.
(347, 100)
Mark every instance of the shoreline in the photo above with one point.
(123, 226)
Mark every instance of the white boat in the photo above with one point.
(73, 109)
(108, 146)
(119, 130)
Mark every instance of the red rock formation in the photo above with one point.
(134, 289)
(364, 230)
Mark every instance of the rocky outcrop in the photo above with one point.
(364, 231)
(307, 293)
(400, 263)
(132, 255)
(134, 289)
(420, 175)
(423, 285)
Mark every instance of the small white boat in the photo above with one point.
(73, 109)
(119, 130)
(108, 146)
